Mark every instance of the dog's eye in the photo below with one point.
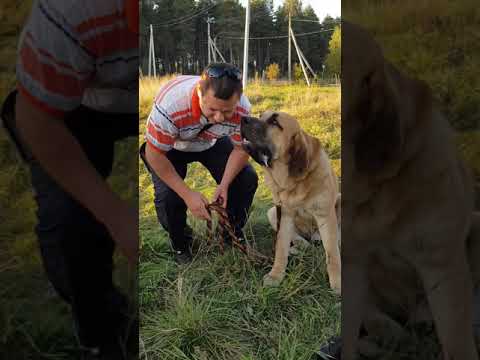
(273, 121)
(277, 124)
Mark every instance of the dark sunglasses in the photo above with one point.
(218, 72)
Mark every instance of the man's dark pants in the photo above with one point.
(171, 209)
(76, 249)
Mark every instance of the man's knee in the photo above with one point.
(248, 178)
(58, 211)
(167, 198)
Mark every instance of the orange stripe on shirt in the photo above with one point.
(242, 110)
(108, 42)
(235, 119)
(48, 76)
(105, 20)
(39, 104)
(207, 135)
(162, 138)
(180, 113)
(154, 147)
(236, 137)
(187, 121)
(55, 61)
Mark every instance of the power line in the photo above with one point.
(184, 19)
(305, 20)
(279, 36)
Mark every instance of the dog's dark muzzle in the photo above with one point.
(253, 132)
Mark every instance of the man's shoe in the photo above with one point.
(331, 350)
(106, 352)
(183, 257)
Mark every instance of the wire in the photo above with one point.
(315, 21)
(184, 19)
(278, 37)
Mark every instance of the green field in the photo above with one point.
(216, 308)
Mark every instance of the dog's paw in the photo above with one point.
(316, 237)
(294, 250)
(336, 286)
(272, 280)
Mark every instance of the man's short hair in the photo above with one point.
(224, 79)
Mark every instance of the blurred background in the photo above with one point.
(34, 323)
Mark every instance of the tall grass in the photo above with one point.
(216, 308)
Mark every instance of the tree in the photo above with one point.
(272, 72)
(180, 34)
(333, 60)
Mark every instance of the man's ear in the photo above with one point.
(297, 151)
(380, 137)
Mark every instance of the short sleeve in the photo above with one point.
(161, 131)
(53, 67)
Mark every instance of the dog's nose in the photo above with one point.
(245, 120)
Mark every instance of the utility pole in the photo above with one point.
(245, 45)
(289, 47)
(151, 54)
(209, 21)
(299, 53)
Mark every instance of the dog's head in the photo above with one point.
(275, 137)
(379, 104)
(372, 130)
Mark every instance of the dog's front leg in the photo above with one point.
(329, 234)
(354, 306)
(449, 293)
(284, 238)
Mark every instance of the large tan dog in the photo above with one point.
(303, 184)
(407, 202)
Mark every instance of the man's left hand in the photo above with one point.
(221, 194)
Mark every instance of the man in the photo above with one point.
(77, 82)
(198, 119)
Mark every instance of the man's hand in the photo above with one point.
(197, 204)
(221, 193)
(122, 224)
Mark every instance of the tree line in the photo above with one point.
(180, 34)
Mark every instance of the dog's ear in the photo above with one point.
(297, 151)
(380, 137)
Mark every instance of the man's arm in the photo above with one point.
(164, 169)
(236, 162)
(60, 154)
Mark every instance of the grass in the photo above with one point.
(217, 308)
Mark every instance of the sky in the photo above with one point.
(322, 7)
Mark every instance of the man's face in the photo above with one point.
(217, 110)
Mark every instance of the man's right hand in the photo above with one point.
(122, 223)
(164, 169)
(197, 204)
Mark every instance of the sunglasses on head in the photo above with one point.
(218, 72)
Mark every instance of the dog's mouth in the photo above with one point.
(254, 141)
(261, 154)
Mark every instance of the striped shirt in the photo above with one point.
(176, 120)
(74, 52)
